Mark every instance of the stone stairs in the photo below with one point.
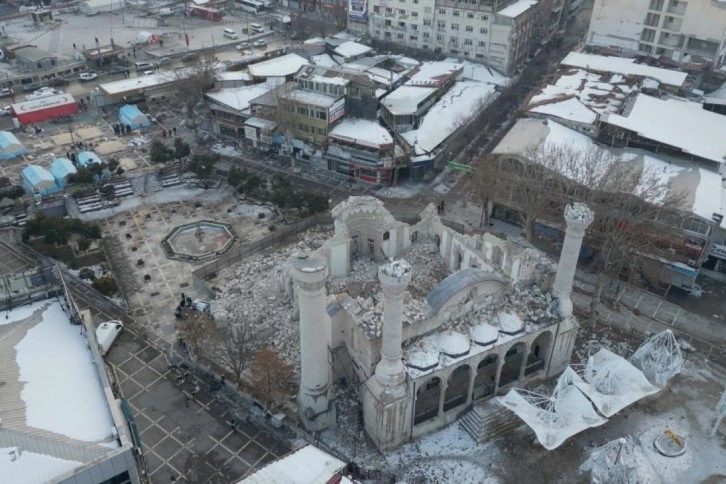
(488, 421)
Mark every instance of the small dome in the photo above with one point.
(484, 334)
(510, 323)
(424, 356)
(453, 344)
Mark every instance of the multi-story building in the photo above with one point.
(308, 115)
(676, 29)
(501, 33)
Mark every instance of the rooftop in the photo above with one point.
(434, 74)
(238, 98)
(311, 97)
(406, 99)
(362, 131)
(33, 54)
(308, 465)
(351, 49)
(676, 122)
(626, 67)
(233, 76)
(701, 188)
(282, 66)
(456, 107)
(55, 414)
(518, 8)
(143, 82)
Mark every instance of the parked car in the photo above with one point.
(58, 82)
(261, 44)
(31, 86)
(5, 111)
(243, 45)
(191, 57)
(87, 76)
(113, 70)
(106, 334)
(149, 72)
(164, 61)
(5, 92)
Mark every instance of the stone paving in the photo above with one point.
(183, 437)
(140, 233)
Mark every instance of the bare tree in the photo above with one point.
(191, 83)
(232, 348)
(483, 187)
(196, 328)
(270, 376)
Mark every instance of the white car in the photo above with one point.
(87, 76)
(259, 43)
(243, 46)
(5, 111)
(106, 334)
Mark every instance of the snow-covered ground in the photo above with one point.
(28, 467)
(62, 391)
(406, 190)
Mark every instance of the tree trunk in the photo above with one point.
(596, 296)
(529, 228)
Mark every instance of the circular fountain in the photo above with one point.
(670, 444)
(199, 241)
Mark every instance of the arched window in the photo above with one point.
(427, 401)
(512, 365)
(457, 388)
(486, 377)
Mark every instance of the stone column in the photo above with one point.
(316, 410)
(394, 277)
(578, 217)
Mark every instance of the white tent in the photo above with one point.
(554, 418)
(612, 383)
(659, 358)
(97, 6)
(618, 462)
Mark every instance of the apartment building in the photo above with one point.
(683, 31)
(501, 33)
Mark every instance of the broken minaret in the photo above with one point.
(316, 410)
(386, 395)
(578, 218)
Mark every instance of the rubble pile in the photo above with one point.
(254, 296)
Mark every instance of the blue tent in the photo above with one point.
(132, 116)
(88, 158)
(10, 147)
(61, 168)
(38, 180)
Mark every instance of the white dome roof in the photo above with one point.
(510, 323)
(484, 334)
(453, 344)
(423, 356)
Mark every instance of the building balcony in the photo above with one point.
(718, 250)
(670, 41)
(677, 7)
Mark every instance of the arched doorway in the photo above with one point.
(538, 353)
(459, 259)
(497, 255)
(437, 240)
(427, 401)
(512, 365)
(486, 377)
(457, 388)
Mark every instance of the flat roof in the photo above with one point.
(676, 122)
(571, 109)
(308, 465)
(311, 97)
(140, 82)
(406, 99)
(283, 66)
(55, 415)
(42, 103)
(620, 65)
(362, 131)
(352, 49)
(238, 98)
(233, 76)
(434, 73)
(518, 8)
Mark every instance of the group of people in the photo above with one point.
(121, 129)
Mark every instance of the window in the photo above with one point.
(439, 37)
(485, 17)
(479, 56)
(427, 22)
(376, 9)
(468, 42)
(387, 35)
(377, 33)
(302, 110)
(414, 14)
(401, 11)
(413, 38)
(469, 15)
(454, 40)
(645, 48)
(389, 10)
(482, 43)
(454, 51)
(402, 24)
(648, 35)
(652, 20)
(442, 11)
(40, 66)
(695, 225)
(483, 30)
(425, 47)
(415, 1)
(441, 25)
(656, 4)
(426, 35)
(469, 28)
(456, 13)
(400, 36)
(414, 27)
(454, 26)
(322, 115)
(388, 23)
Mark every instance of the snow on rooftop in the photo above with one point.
(311, 97)
(352, 49)
(283, 66)
(621, 65)
(589, 88)
(143, 82)
(233, 76)
(571, 109)
(482, 73)
(453, 344)
(362, 131)
(323, 60)
(238, 98)
(463, 100)
(434, 74)
(61, 387)
(308, 465)
(406, 99)
(26, 467)
(675, 122)
(518, 8)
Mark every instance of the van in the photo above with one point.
(257, 28)
(144, 66)
(230, 34)
(106, 334)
